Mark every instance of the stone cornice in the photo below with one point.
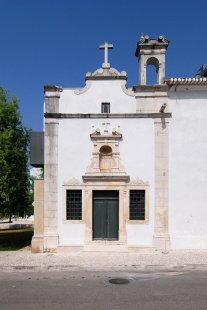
(105, 177)
(53, 88)
(105, 78)
(106, 74)
(105, 115)
(150, 88)
(95, 137)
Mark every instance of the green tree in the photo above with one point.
(14, 139)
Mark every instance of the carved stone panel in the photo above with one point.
(106, 155)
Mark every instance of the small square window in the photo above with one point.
(105, 107)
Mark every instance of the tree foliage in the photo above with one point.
(14, 139)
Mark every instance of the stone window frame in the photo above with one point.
(64, 204)
(138, 187)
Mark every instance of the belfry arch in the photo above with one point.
(151, 52)
(152, 61)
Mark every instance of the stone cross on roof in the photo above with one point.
(106, 46)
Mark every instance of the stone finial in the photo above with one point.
(97, 131)
(144, 39)
(162, 39)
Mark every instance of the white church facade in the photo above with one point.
(124, 168)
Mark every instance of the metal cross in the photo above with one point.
(106, 126)
(106, 46)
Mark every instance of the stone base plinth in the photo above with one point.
(37, 245)
(51, 243)
(161, 242)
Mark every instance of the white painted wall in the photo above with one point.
(75, 148)
(137, 154)
(187, 158)
(188, 169)
(99, 91)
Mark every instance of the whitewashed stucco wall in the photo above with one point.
(137, 155)
(188, 169)
(75, 150)
(98, 92)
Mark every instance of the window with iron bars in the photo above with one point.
(137, 205)
(74, 205)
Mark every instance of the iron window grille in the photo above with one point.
(137, 205)
(74, 205)
(105, 107)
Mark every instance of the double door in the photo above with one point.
(105, 215)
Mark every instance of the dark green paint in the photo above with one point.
(105, 215)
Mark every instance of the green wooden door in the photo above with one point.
(105, 215)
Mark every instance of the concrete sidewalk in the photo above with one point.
(25, 260)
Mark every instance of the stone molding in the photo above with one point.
(138, 182)
(105, 115)
(127, 91)
(151, 88)
(53, 88)
(105, 178)
(106, 74)
(96, 137)
(80, 91)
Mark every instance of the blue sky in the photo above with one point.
(56, 42)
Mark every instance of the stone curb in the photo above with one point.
(141, 268)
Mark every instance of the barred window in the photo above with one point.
(74, 205)
(137, 205)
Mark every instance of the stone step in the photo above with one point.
(112, 247)
(142, 249)
(106, 247)
(69, 249)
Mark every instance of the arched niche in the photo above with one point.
(152, 71)
(105, 158)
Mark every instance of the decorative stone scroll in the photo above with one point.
(106, 72)
(80, 91)
(138, 182)
(127, 91)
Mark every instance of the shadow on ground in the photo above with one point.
(15, 239)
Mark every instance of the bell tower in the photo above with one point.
(151, 52)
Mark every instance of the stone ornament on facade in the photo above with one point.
(127, 91)
(81, 91)
(106, 151)
(110, 72)
(138, 182)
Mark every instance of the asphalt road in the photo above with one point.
(164, 290)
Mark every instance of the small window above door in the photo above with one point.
(105, 107)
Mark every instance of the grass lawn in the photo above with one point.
(15, 239)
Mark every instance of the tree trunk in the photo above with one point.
(10, 218)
